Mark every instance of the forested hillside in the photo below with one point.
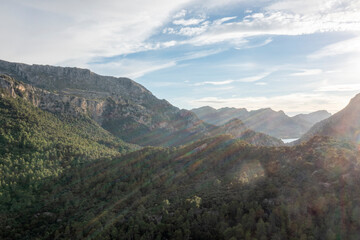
(218, 188)
(36, 146)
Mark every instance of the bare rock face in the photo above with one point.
(49, 101)
(120, 105)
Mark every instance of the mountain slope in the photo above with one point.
(216, 188)
(313, 117)
(276, 124)
(36, 145)
(119, 105)
(237, 129)
(343, 125)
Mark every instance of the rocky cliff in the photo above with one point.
(120, 105)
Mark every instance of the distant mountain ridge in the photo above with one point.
(344, 125)
(266, 120)
(119, 105)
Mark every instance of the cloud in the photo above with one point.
(133, 68)
(307, 72)
(261, 83)
(285, 18)
(54, 32)
(291, 103)
(188, 22)
(254, 78)
(229, 81)
(198, 54)
(181, 13)
(214, 83)
(130, 68)
(340, 88)
(316, 6)
(344, 47)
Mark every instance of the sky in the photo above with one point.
(297, 56)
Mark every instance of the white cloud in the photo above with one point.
(340, 88)
(214, 83)
(188, 22)
(261, 83)
(53, 32)
(229, 81)
(222, 20)
(138, 68)
(344, 47)
(191, 31)
(286, 18)
(254, 78)
(181, 13)
(307, 72)
(198, 54)
(130, 68)
(316, 6)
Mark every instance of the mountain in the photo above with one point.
(119, 105)
(311, 119)
(343, 125)
(237, 129)
(221, 116)
(63, 176)
(216, 188)
(268, 121)
(37, 145)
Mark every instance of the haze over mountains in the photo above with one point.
(344, 125)
(268, 121)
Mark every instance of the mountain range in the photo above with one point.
(268, 121)
(83, 156)
(119, 105)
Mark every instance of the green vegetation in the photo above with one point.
(65, 177)
(37, 145)
(217, 188)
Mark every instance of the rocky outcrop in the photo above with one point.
(120, 105)
(50, 101)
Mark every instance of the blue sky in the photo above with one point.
(291, 55)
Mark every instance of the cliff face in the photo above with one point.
(120, 105)
(52, 102)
